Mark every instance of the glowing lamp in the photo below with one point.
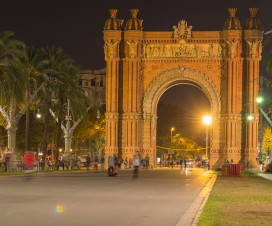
(259, 99)
(207, 120)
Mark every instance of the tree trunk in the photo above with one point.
(59, 129)
(46, 127)
(27, 130)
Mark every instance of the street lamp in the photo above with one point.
(38, 115)
(207, 120)
(172, 129)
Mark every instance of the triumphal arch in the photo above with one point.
(142, 65)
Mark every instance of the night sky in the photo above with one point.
(77, 27)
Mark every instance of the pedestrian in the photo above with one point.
(208, 164)
(119, 162)
(147, 161)
(115, 160)
(247, 165)
(95, 162)
(102, 163)
(111, 166)
(126, 162)
(136, 164)
(160, 163)
(88, 161)
(185, 162)
(180, 163)
(129, 163)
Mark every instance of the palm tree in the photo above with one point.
(35, 69)
(12, 82)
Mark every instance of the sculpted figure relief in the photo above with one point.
(132, 48)
(182, 50)
(255, 48)
(109, 49)
(231, 48)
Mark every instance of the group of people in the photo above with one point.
(115, 162)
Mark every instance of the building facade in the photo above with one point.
(94, 84)
(142, 65)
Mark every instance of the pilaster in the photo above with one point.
(232, 88)
(112, 37)
(253, 39)
(131, 112)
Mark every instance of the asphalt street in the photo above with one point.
(157, 197)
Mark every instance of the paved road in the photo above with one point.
(157, 197)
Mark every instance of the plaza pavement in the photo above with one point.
(157, 197)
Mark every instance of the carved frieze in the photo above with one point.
(182, 49)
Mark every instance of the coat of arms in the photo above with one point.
(182, 30)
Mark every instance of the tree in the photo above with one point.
(64, 90)
(267, 143)
(12, 83)
(35, 71)
(91, 133)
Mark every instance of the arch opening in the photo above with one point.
(180, 109)
(174, 77)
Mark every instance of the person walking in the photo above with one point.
(102, 163)
(126, 162)
(95, 162)
(129, 163)
(147, 161)
(88, 161)
(185, 162)
(136, 164)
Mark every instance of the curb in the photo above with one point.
(191, 216)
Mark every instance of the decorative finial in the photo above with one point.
(134, 12)
(232, 11)
(113, 12)
(253, 11)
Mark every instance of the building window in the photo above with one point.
(86, 83)
(92, 82)
(101, 83)
(80, 82)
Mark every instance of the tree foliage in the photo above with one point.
(267, 142)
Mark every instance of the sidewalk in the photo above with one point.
(266, 176)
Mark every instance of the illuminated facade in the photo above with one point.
(142, 65)
(94, 84)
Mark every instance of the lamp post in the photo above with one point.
(207, 120)
(172, 129)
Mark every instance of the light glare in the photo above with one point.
(259, 99)
(207, 120)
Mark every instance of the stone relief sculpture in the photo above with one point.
(182, 50)
(132, 48)
(255, 48)
(182, 30)
(231, 48)
(109, 49)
